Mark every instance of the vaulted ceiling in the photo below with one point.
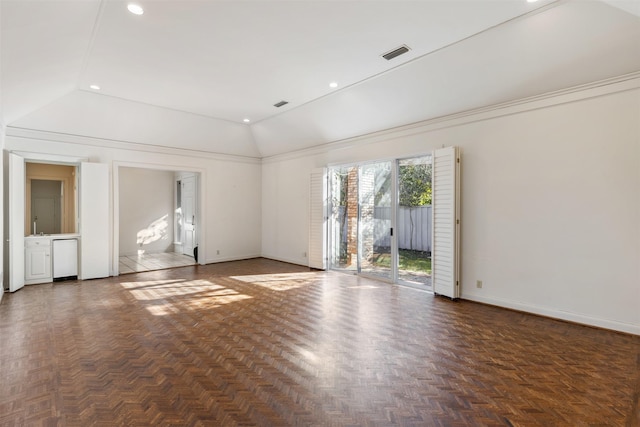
(188, 73)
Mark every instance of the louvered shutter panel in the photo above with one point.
(446, 224)
(317, 219)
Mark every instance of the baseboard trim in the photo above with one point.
(231, 258)
(287, 260)
(557, 314)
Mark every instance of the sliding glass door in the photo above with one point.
(375, 220)
(380, 222)
(361, 219)
(343, 229)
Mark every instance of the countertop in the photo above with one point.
(54, 236)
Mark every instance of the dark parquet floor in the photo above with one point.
(263, 343)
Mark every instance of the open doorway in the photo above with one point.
(414, 221)
(154, 232)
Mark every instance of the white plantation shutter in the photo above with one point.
(446, 222)
(317, 219)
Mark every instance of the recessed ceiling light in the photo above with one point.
(333, 85)
(94, 87)
(246, 120)
(136, 9)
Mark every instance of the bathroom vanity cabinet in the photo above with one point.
(37, 260)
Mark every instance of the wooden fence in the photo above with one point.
(413, 227)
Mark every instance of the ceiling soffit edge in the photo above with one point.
(598, 88)
(50, 136)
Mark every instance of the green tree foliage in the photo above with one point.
(415, 185)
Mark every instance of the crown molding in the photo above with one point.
(596, 89)
(48, 136)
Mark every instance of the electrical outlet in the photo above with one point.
(304, 254)
(478, 283)
(218, 252)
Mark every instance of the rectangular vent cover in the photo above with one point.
(280, 104)
(395, 52)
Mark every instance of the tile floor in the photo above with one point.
(149, 262)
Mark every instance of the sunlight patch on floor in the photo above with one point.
(279, 281)
(363, 287)
(195, 294)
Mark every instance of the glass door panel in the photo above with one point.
(343, 229)
(375, 220)
(413, 219)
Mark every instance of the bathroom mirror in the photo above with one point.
(50, 202)
(46, 206)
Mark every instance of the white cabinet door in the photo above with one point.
(16, 222)
(38, 263)
(94, 220)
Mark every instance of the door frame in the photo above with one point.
(200, 206)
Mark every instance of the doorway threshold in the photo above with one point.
(419, 286)
(153, 261)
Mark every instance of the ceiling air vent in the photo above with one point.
(395, 52)
(280, 104)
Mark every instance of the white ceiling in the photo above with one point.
(186, 73)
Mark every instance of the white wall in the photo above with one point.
(230, 193)
(550, 200)
(146, 206)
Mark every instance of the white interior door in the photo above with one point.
(16, 222)
(94, 220)
(446, 222)
(189, 214)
